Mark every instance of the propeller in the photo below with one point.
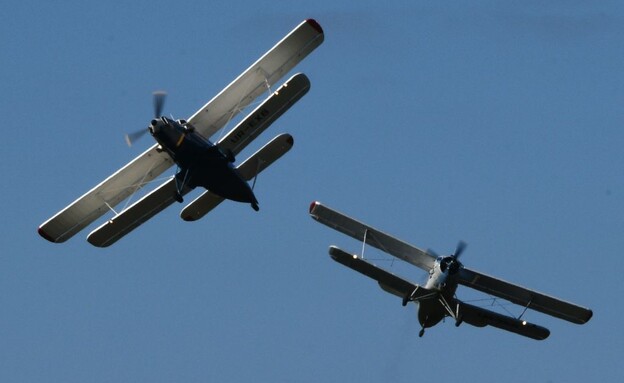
(461, 246)
(159, 102)
(454, 264)
(451, 261)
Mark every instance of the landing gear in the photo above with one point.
(178, 197)
(409, 297)
(230, 155)
(421, 333)
(254, 205)
(181, 181)
(405, 300)
(459, 320)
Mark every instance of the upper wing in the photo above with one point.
(265, 114)
(210, 118)
(524, 297)
(388, 281)
(105, 195)
(481, 317)
(254, 81)
(374, 237)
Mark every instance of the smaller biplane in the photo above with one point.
(186, 144)
(436, 299)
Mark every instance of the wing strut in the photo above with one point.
(364, 242)
(525, 308)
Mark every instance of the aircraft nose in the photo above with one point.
(154, 127)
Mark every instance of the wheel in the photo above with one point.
(405, 300)
(421, 333)
(178, 197)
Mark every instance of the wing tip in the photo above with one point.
(587, 317)
(45, 235)
(188, 217)
(314, 24)
(313, 206)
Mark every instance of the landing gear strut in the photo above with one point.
(181, 179)
(178, 197)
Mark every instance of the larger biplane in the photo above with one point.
(436, 299)
(199, 162)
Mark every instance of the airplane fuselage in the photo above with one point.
(441, 280)
(201, 162)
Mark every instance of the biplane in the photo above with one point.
(437, 299)
(200, 163)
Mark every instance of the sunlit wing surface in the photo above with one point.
(251, 167)
(481, 317)
(373, 237)
(254, 81)
(387, 281)
(265, 114)
(524, 297)
(105, 196)
(209, 119)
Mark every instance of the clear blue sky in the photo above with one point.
(498, 123)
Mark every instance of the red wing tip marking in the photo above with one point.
(313, 205)
(314, 24)
(45, 235)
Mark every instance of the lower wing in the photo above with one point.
(481, 317)
(131, 218)
(387, 281)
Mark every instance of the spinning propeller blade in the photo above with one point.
(132, 137)
(159, 103)
(461, 246)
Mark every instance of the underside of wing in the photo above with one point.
(524, 297)
(106, 195)
(254, 81)
(481, 317)
(255, 164)
(387, 281)
(265, 114)
(142, 210)
(373, 237)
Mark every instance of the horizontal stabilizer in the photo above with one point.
(252, 166)
(374, 237)
(481, 317)
(265, 114)
(139, 212)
